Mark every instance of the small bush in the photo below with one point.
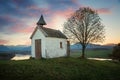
(116, 52)
(32, 57)
(6, 56)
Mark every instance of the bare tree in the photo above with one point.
(84, 26)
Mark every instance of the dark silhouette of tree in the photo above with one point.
(84, 26)
(116, 52)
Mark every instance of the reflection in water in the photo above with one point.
(21, 57)
(24, 57)
(100, 59)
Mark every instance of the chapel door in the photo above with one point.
(38, 49)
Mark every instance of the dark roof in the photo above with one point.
(49, 32)
(41, 21)
(53, 33)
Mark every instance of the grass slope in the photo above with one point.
(59, 69)
(93, 53)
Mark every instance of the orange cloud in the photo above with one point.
(27, 42)
(110, 44)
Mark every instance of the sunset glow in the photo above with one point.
(18, 18)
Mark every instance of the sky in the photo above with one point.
(18, 18)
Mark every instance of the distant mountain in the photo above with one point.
(91, 46)
(28, 48)
(18, 47)
(4, 48)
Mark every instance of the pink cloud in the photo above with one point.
(21, 28)
(26, 30)
(43, 10)
(18, 25)
(58, 18)
(9, 18)
(75, 1)
(37, 11)
(37, 8)
(3, 41)
(100, 10)
(65, 13)
(32, 14)
(104, 11)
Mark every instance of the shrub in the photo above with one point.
(116, 52)
(32, 57)
(6, 56)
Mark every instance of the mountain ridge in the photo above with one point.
(77, 46)
(5, 48)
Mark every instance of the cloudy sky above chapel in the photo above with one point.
(18, 18)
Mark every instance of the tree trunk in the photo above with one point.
(83, 51)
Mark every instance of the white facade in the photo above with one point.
(50, 46)
(53, 49)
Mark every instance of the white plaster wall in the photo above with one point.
(53, 47)
(38, 35)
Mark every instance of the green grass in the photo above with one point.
(59, 69)
(93, 53)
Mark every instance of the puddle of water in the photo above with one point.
(21, 57)
(100, 59)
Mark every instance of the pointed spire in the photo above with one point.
(41, 21)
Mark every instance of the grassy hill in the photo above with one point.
(93, 53)
(59, 69)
